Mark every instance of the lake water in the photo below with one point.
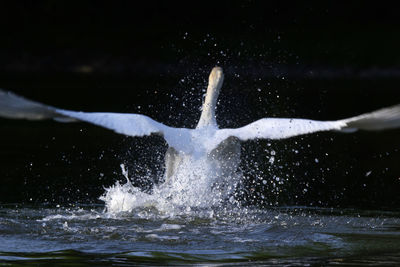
(290, 236)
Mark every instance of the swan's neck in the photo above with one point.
(215, 81)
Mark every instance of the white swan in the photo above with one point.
(221, 146)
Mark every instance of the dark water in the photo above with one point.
(290, 236)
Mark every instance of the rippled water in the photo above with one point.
(291, 235)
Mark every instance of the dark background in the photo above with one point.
(283, 59)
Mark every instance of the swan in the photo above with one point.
(220, 147)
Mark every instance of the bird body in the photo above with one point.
(220, 148)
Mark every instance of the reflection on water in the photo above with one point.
(292, 235)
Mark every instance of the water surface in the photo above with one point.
(287, 235)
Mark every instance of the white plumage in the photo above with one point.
(206, 140)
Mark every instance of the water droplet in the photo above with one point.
(272, 160)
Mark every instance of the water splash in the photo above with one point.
(197, 184)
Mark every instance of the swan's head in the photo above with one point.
(215, 81)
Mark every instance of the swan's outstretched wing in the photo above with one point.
(276, 128)
(16, 107)
(385, 118)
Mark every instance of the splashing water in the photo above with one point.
(197, 183)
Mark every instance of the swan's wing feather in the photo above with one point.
(277, 128)
(16, 107)
(135, 125)
(13, 106)
(122, 123)
(386, 118)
